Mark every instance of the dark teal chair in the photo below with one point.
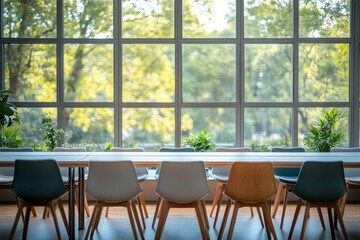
(287, 178)
(38, 183)
(320, 184)
(186, 149)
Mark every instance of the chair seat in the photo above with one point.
(353, 180)
(287, 179)
(4, 179)
(220, 178)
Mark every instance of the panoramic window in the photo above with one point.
(149, 73)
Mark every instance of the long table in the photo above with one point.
(80, 160)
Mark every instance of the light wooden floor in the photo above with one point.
(181, 224)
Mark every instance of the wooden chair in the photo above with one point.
(142, 174)
(250, 184)
(221, 175)
(320, 184)
(113, 183)
(183, 184)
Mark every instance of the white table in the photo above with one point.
(153, 159)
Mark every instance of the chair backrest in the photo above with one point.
(349, 172)
(9, 171)
(338, 149)
(251, 182)
(321, 181)
(182, 181)
(139, 170)
(287, 171)
(112, 181)
(186, 149)
(64, 170)
(224, 171)
(38, 180)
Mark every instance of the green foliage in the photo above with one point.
(260, 148)
(51, 134)
(201, 142)
(325, 133)
(8, 111)
(12, 137)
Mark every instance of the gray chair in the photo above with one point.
(221, 175)
(142, 174)
(166, 149)
(113, 183)
(183, 184)
(38, 183)
(320, 184)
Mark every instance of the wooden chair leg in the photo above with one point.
(279, 194)
(92, 222)
(131, 218)
(107, 212)
(200, 217)
(137, 221)
(267, 216)
(52, 210)
(233, 221)
(223, 224)
(16, 221)
(143, 204)
(284, 208)
(26, 221)
(219, 204)
(33, 211)
(141, 212)
(216, 198)
(331, 223)
(157, 209)
(305, 220)
(296, 215)
(203, 208)
(321, 217)
(339, 215)
(260, 218)
(63, 215)
(164, 211)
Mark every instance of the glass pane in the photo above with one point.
(268, 18)
(30, 71)
(324, 72)
(88, 73)
(88, 19)
(209, 73)
(324, 19)
(307, 116)
(273, 128)
(148, 73)
(219, 122)
(30, 125)
(209, 19)
(148, 18)
(29, 19)
(150, 128)
(90, 127)
(268, 72)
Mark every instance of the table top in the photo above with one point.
(211, 159)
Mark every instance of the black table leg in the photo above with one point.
(81, 198)
(71, 203)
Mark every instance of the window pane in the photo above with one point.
(268, 18)
(213, 19)
(89, 126)
(209, 73)
(148, 73)
(322, 19)
(29, 19)
(88, 18)
(324, 72)
(148, 18)
(268, 72)
(30, 124)
(307, 116)
(266, 127)
(219, 122)
(30, 71)
(88, 72)
(150, 128)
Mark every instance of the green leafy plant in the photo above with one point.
(13, 137)
(325, 133)
(201, 142)
(8, 111)
(51, 134)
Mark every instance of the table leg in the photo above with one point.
(81, 198)
(71, 203)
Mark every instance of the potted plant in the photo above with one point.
(201, 142)
(325, 133)
(8, 113)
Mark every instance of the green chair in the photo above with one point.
(320, 184)
(38, 183)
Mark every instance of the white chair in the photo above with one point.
(183, 184)
(221, 175)
(113, 183)
(65, 176)
(142, 174)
